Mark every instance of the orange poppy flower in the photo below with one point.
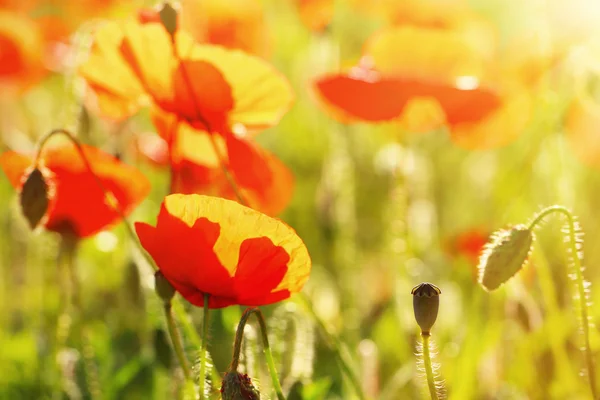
(235, 24)
(263, 180)
(207, 86)
(316, 14)
(366, 95)
(79, 206)
(208, 245)
(21, 44)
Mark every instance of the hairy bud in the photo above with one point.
(505, 255)
(35, 197)
(163, 287)
(238, 386)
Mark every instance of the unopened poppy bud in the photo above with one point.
(163, 287)
(505, 255)
(168, 17)
(238, 386)
(426, 302)
(35, 197)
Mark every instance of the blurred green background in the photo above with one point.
(379, 209)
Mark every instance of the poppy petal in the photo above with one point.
(239, 223)
(201, 94)
(262, 95)
(80, 205)
(117, 88)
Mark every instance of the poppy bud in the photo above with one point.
(35, 197)
(238, 386)
(505, 256)
(426, 302)
(168, 17)
(163, 287)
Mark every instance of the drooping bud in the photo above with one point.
(238, 386)
(168, 17)
(426, 302)
(35, 197)
(163, 287)
(505, 255)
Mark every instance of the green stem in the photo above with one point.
(336, 345)
(202, 378)
(178, 308)
(237, 346)
(428, 367)
(176, 340)
(581, 291)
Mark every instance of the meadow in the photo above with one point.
(299, 199)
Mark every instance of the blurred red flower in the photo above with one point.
(199, 89)
(79, 206)
(208, 245)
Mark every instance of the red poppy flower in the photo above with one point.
(469, 244)
(208, 245)
(365, 95)
(79, 206)
(207, 85)
(263, 180)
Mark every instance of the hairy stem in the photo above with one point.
(202, 377)
(237, 346)
(428, 367)
(176, 340)
(581, 290)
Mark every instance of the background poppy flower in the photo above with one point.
(79, 204)
(235, 254)
(264, 181)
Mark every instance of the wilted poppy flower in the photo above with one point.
(79, 206)
(208, 245)
(263, 180)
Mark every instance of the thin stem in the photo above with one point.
(581, 291)
(179, 310)
(203, 347)
(237, 346)
(211, 134)
(176, 340)
(336, 345)
(428, 367)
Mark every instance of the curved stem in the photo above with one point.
(237, 346)
(581, 291)
(176, 340)
(179, 310)
(202, 378)
(336, 345)
(428, 366)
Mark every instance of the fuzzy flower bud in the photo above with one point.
(238, 386)
(505, 255)
(426, 302)
(163, 287)
(168, 18)
(35, 197)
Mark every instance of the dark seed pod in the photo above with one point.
(238, 386)
(163, 287)
(426, 302)
(35, 197)
(507, 253)
(168, 17)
